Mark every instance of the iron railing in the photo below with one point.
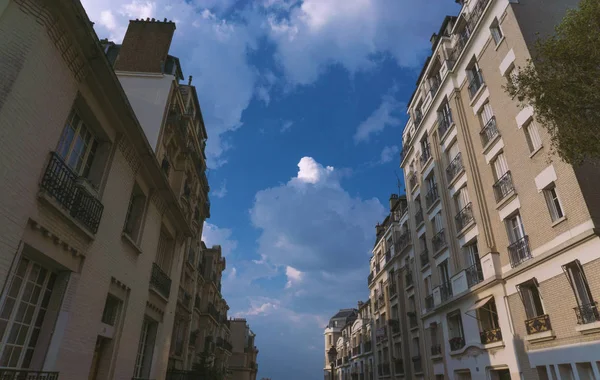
(455, 167)
(438, 241)
(429, 302)
(431, 196)
(26, 374)
(62, 184)
(503, 186)
(445, 291)
(424, 257)
(474, 274)
(538, 324)
(417, 364)
(419, 216)
(587, 313)
(456, 343)
(160, 280)
(436, 349)
(490, 336)
(464, 217)
(472, 20)
(489, 131)
(475, 83)
(444, 122)
(519, 252)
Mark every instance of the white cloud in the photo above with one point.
(286, 126)
(389, 153)
(294, 276)
(221, 192)
(382, 117)
(213, 235)
(310, 171)
(318, 33)
(139, 9)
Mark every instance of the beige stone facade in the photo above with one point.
(504, 242)
(243, 362)
(103, 273)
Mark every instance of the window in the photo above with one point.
(77, 145)
(452, 152)
(486, 114)
(553, 202)
(515, 229)
(475, 78)
(164, 252)
(111, 310)
(443, 272)
(461, 198)
(455, 331)
(496, 31)
(23, 312)
(143, 359)
(427, 285)
(135, 211)
(488, 316)
(587, 311)
(532, 135)
(444, 117)
(438, 224)
(532, 301)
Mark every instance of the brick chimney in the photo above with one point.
(145, 46)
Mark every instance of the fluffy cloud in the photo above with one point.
(388, 154)
(221, 192)
(318, 33)
(286, 126)
(385, 115)
(294, 276)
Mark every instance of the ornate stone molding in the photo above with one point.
(56, 239)
(155, 308)
(120, 284)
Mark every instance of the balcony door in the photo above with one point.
(472, 255)
(514, 226)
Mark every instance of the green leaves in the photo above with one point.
(562, 83)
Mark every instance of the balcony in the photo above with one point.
(519, 252)
(489, 131)
(160, 281)
(438, 241)
(69, 190)
(455, 167)
(432, 196)
(419, 216)
(429, 304)
(399, 366)
(475, 83)
(587, 313)
(503, 187)
(464, 217)
(445, 291)
(444, 123)
(490, 336)
(409, 279)
(417, 364)
(456, 343)
(26, 374)
(426, 155)
(412, 180)
(436, 349)
(538, 324)
(412, 319)
(424, 258)
(474, 274)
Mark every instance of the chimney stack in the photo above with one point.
(145, 46)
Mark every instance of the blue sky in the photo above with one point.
(304, 103)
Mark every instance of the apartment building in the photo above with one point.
(243, 362)
(335, 337)
(505, 231)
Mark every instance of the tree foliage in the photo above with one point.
(562, 83)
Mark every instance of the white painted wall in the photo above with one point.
(148, 95)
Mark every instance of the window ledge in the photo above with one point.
(589, 328)
(456, 177)
(125, 236)
(558, 221)
(425, 267)
(540, 337)
(437, 357)
(65, 214)
(465, 229)
(489, 346)
(506, 200)
(535, 151)
(414, 328)
(499, 43)
(426, 165)
(491, 143)
(477, 94)
(447, 133)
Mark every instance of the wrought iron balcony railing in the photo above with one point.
(457, 343)
(160, 280)
(587, 313)
(429, 302)
(475, 83)
(424, 257)
(455, 167)
(26, 374)
(445, 291)
(538, 324)
(519, 252)
(438, 241)
(464, 217)
(474, 274)
(436, 349)
(490, 336)
(489, 131)
(67, 188)
(503, 186)
(432, 196)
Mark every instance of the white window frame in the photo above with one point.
(515, 228)
(532, 135)
(496, 32)
(80, 162)
(553, 202)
